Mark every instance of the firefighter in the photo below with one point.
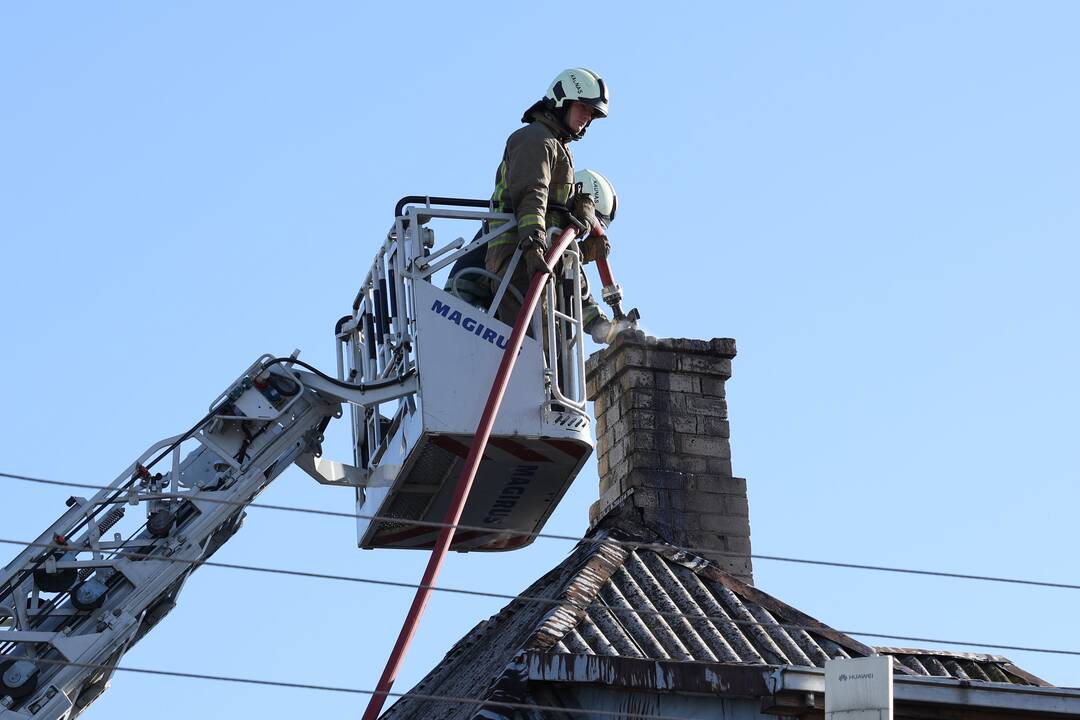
(536, 172)
(605, 202)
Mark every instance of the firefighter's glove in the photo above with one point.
(583, 208)
(594, 247)
(602, 330)
(532, 252)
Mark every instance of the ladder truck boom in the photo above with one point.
(76, 599)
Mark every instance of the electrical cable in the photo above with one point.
(341, 383)
(573, 538)
(531, 599)
(358, 691)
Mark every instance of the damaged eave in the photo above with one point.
(717, 679)
(790, 686)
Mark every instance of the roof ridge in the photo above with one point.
(579, 591)
(982, 657)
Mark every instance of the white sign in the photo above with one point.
(859, 688)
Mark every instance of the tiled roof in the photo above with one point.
(654, 604)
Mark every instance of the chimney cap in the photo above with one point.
(717, 347)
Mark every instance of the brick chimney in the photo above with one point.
(663, 444)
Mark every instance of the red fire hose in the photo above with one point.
(604, 270)
(465, 481)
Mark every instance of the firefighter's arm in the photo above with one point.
(529, 167)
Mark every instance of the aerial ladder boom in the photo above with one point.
(77, 599)
(415, 358)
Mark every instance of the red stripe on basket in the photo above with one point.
(569, 447)
(451, 445)
(521, 452)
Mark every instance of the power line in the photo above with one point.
(569, 538)
(357, 691)
(553, 601)
(913, 571)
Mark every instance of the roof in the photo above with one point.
(659, 604)
(962, 666)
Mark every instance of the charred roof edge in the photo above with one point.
(726, 679)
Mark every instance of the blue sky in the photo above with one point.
(878, 201)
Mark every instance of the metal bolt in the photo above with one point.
(19, 673)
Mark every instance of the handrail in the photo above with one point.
(437, 200)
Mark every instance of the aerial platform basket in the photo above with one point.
(410, 452)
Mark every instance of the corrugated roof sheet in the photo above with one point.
(688, 617)
(962, 666)
(661, 604)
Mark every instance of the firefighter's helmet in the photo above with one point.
(582, 85)
(599, 188)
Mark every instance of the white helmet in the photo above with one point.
(582, 85)
(600, 189)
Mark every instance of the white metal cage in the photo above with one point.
(406, 318)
